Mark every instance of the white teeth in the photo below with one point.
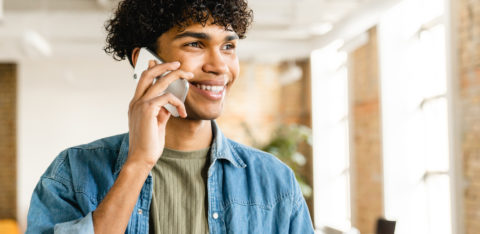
(215, 89)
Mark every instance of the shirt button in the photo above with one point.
(140, 211)
(215, 215)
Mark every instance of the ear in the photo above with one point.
(135, 53)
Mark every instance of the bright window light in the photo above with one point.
(1, 10)
(330, 136)
(415, 121)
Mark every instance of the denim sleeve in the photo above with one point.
(53, 209)
(83, 225)
(300, 221)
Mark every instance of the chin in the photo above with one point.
(201, 116)
(203, 113)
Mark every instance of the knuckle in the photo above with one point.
(165, 66)
(175, 73)
(144, 72)
(131, 106)
(145, 107)
(162, 85)
(132, 102)
(147, 73)
(149, 105)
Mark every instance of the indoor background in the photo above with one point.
(379, 100)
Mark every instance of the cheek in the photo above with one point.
(190, 63)
(234, 68)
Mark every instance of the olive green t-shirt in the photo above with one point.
(179, 202)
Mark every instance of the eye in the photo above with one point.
(193, 44)
(229, 46)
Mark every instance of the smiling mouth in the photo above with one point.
(210, 87)
(211, 90)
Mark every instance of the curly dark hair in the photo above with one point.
(138, 23)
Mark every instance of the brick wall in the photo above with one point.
(8, 173)
(253, 102)
(258, 101)
(296, 108)
(367, 167)
(469, 100)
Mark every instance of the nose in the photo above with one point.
(215, 63)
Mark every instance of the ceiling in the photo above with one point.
(279, 19)
(277, 23)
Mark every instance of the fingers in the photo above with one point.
(169, 98)
(162, 83)
(154, 70)
(163, 116)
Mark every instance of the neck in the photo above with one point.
(188, 135)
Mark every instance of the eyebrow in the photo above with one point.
(232, 37)
(203, 36)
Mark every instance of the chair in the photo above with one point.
(385, 226)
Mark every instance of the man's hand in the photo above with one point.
(146, 118)
(147, 121)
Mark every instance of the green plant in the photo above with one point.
(284, 145)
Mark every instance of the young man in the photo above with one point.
(167, 174)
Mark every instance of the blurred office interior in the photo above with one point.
(384, 96)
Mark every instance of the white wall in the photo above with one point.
(73, 96)
(62, 103)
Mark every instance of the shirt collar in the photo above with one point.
(220, 149)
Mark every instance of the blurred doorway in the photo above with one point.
(8, 148)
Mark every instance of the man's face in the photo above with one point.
(209, 52)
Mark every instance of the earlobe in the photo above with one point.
(135, 55)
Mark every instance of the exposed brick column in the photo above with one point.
(8, 154)
(468, 55)
(367, 143)
(296, 108)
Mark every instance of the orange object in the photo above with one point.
(9, 226)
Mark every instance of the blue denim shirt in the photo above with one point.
(249, 191)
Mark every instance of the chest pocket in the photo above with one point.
(256, 218)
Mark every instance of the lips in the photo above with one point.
(210, 82)
(213, 90)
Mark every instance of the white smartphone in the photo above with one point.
(179, 87)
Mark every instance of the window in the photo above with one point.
(415, 118)
(331, 137)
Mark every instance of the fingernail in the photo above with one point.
(190, 74)
(176, 64)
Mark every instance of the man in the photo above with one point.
(172, 175)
